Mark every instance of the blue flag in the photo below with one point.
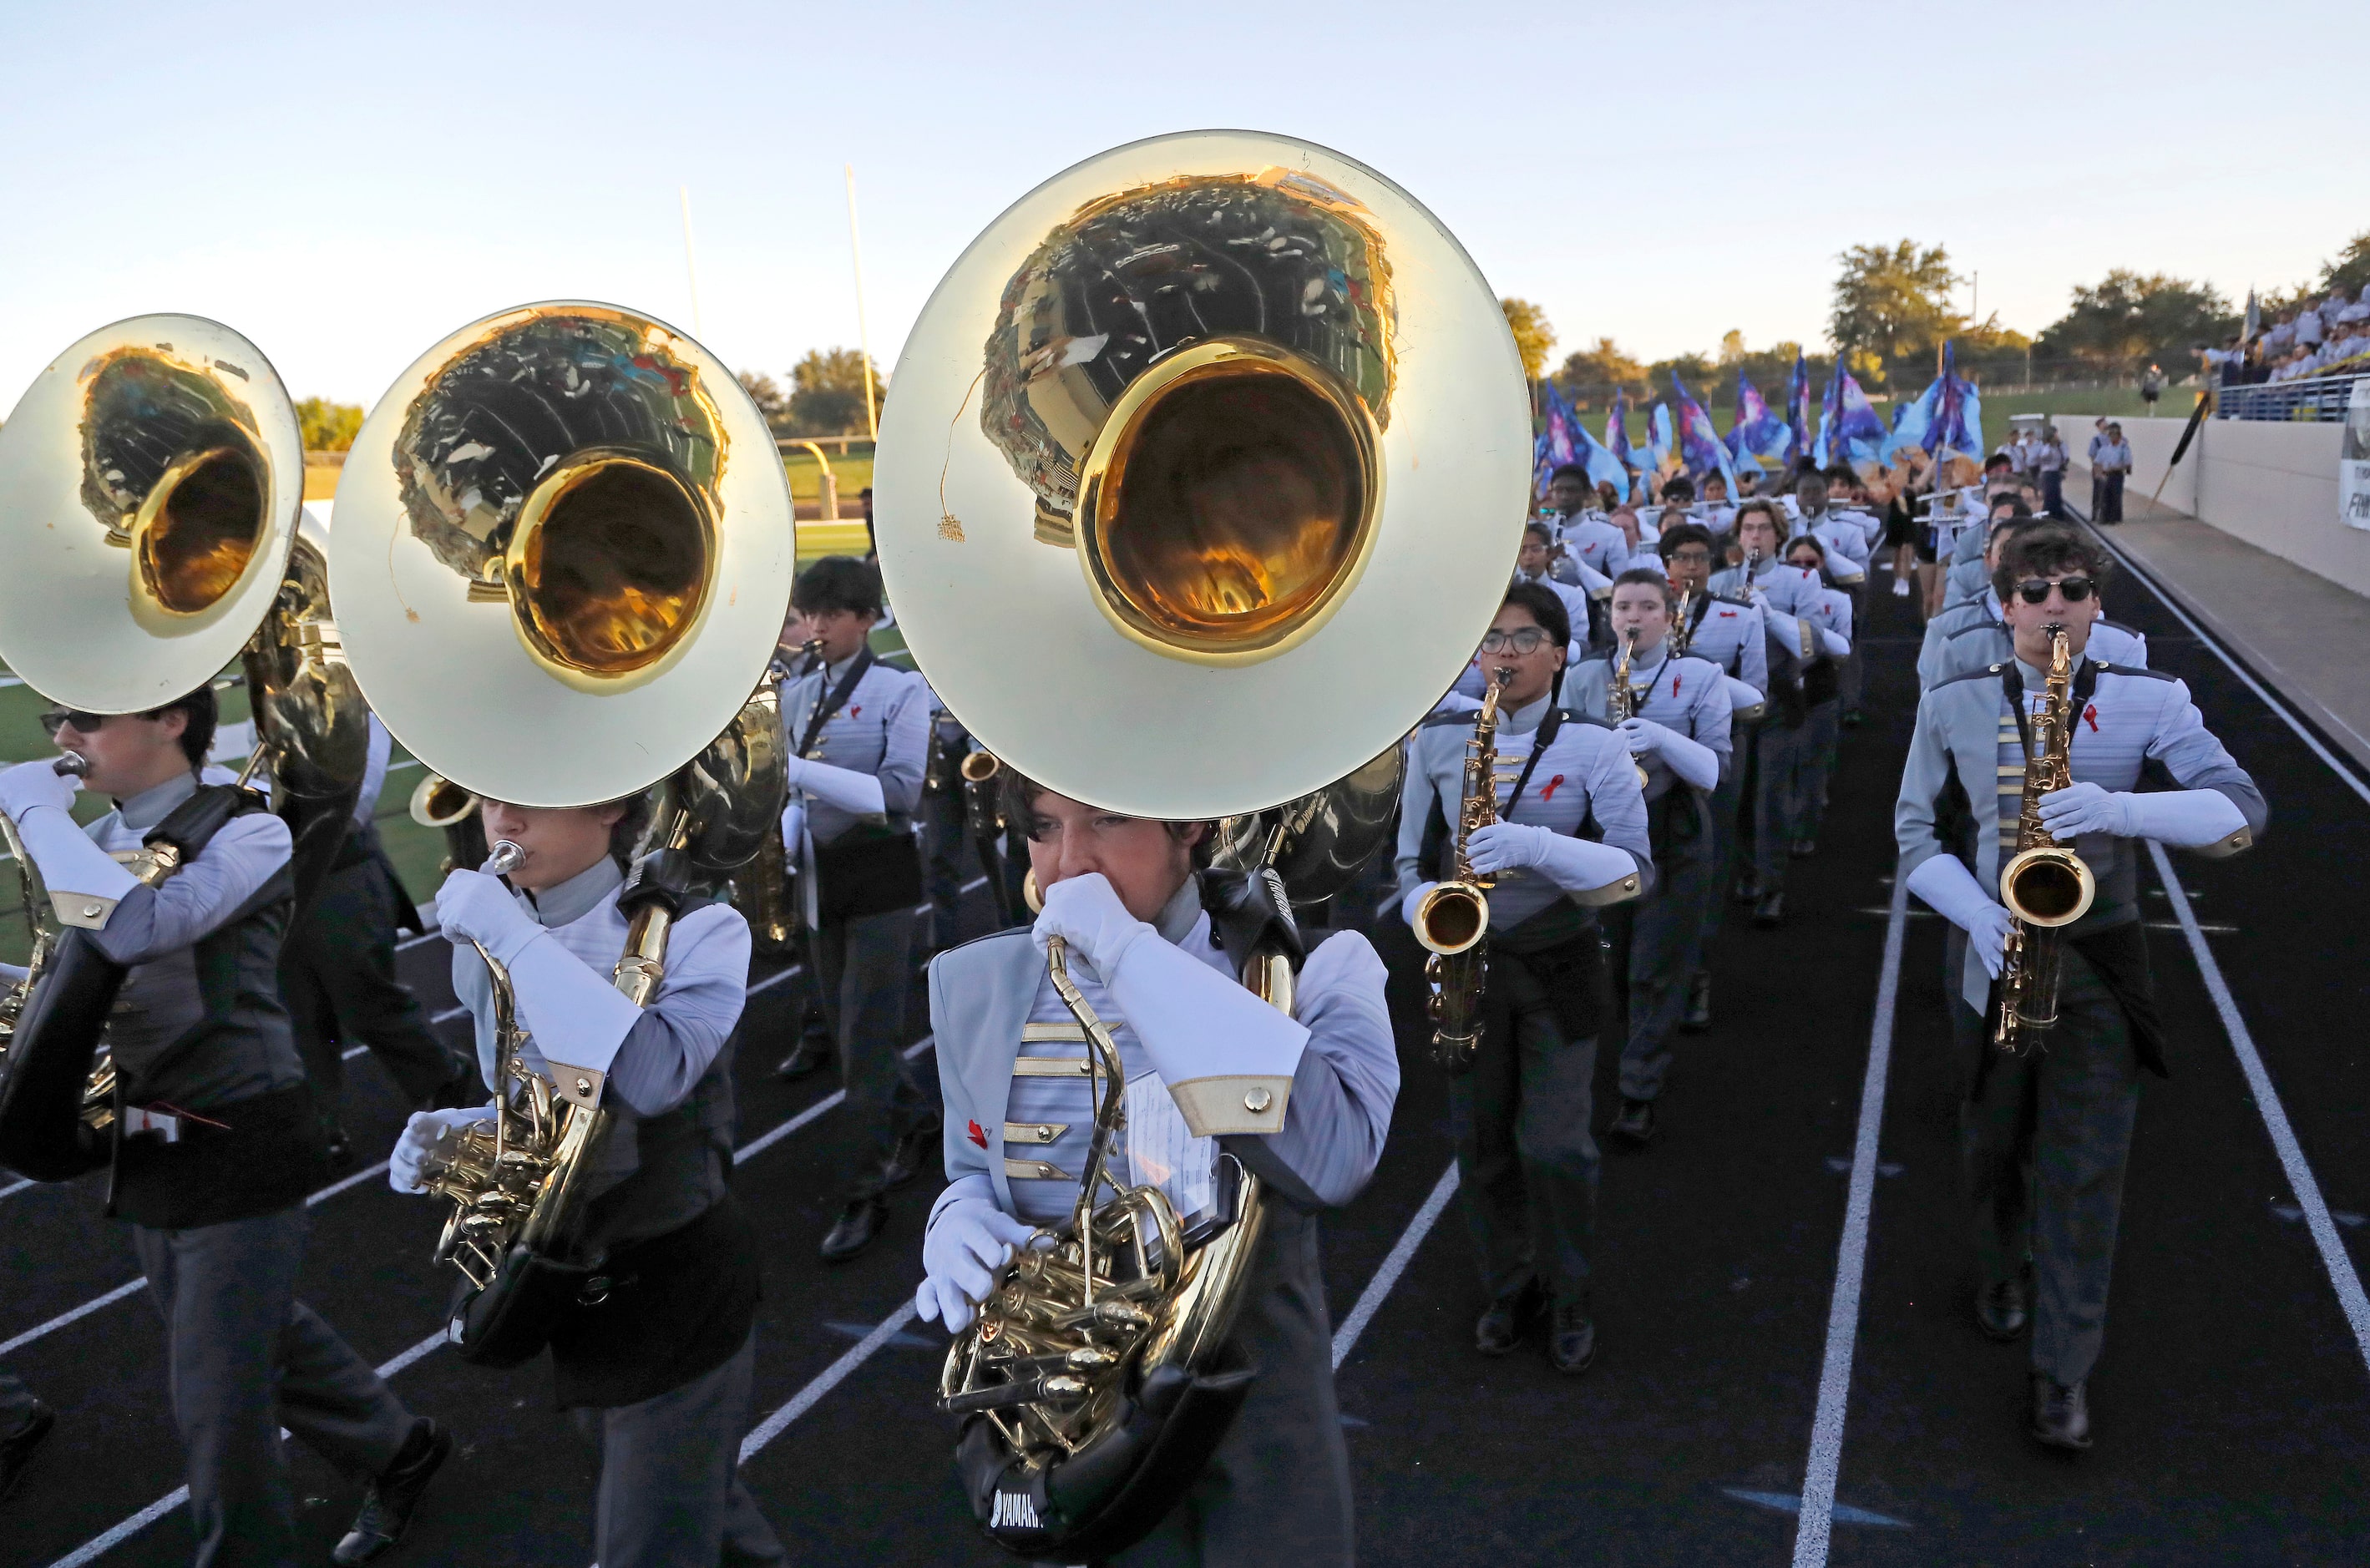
(1798, 411)
(1758, 437)
(1563, 440)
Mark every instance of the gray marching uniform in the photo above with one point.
(1521, 1116)
(244, 1356)
(1587, 538)
(1731, 634)
(1654, 939)
(1775, 749)
(864, 965)
(1974, 636)
(1011, 1066)
(669, 1494)
(2043, 1135)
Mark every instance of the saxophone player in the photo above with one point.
(1522, 1115)
(659, 1369)
(1304, 1100)
(1675, 724)
(217, 1141)
(2044, 1135)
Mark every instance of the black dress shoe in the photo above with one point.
(1697, 1019)
(1501, 1328)
(857, 1224)
(336, 1147)
(387, 1506)
(1636, 1122)
(2061, 1414)
(2001, 1310)
(1769, 912)
(17, 1452)
(811, 1056)
(904, 1161)
(1571, 1338)
(1805, 848)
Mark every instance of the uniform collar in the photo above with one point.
(1177, 918)
(573, 899)
(148, 807)
(834, 673)
(1525, 719)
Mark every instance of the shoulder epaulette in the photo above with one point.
(2139, 671)
(1572, 718)
(1974, 627)
(1731, 599)
(1448, 716)
(974, 941)
(2118, 625)
(1989, 670)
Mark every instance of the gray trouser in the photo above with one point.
(1776, 805)
(244, 1359)
(1727, 802)
(1814, 763)
(2043, 1138)
(337, 974)
(1653, 951)
(16, 1405)
(1524, 1148)
(865, 966)
(943, 841)
(670, 1493)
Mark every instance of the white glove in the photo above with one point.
(2085, 808)
(28, 784)
(1643, 735)
(1085, 913)
(969, 1241)
(1951, 890)
(1413, 897)
(421, 1136)
(855, 793)
(2184, 817)
(1572, 863)
(472, 904)
(1507, 846)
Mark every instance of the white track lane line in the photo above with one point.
(101, 1544)
(822, 1382)
(1370, 1301)
(1851, 1260)
(2164, 596)
(2333, 1256)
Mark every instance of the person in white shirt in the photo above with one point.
(2111, 462)
(1591, 541)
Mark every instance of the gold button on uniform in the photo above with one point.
(1257, 1100)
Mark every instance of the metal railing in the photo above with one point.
(2311, 399)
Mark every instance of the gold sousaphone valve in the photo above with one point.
(1185, 365)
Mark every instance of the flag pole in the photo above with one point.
(691, 264)
(863, 332)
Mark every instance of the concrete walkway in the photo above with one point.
(2301, 634)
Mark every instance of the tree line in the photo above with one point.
(1890, 308)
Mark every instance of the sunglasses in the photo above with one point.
(1529, 639)
(2035, 590)
(58, 718)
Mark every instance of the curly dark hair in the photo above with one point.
(2042, 548)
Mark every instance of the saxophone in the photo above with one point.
(1682, 632)
(1621, 700)
(2045, 884)
(1452, 919)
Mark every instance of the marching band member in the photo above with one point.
(1531, 566)
(1678, 731)
(659, 1369)
(1522, 1114)
(1822, 700)
(1589, 540)
(794, 656)
(859, 737)
(1731, 633)
(1846, 539)
(1975, 634)
(1787, 596)
(337, 974)
(1305, 1102)
(216, 1139)
(2046, 1134)
(1972, 562)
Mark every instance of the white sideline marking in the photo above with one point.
(829, 1378)
(1370, 1301)
(759, 1145)
(70, 1315)
(2316, 1218)
(1851, 1260)
(99, 1544)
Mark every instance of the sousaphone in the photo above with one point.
(1196, 490)
(563, 553)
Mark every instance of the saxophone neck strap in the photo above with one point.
(2086, 680)
(829, 700)
(1543, 737)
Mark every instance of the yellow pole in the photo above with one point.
(863, 334)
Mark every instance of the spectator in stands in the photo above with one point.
(2308, 326)
(2110, 462)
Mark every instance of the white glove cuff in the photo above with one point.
(1226, 1057)
(856, 794)
(2188, 819)
(85, 882)
(1591, 872)
(577, 1018)
(975, 1187)
(1952, 890)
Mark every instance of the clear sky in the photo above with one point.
(346, 184)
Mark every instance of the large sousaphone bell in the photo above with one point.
(151, 514)
(1196, 489)
(563, 555)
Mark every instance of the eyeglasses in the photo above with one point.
(58, 718)
(1529, 639)
(1697, 555)
(2035, 590)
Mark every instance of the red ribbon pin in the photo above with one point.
(978, 1134)
(1553, 785)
